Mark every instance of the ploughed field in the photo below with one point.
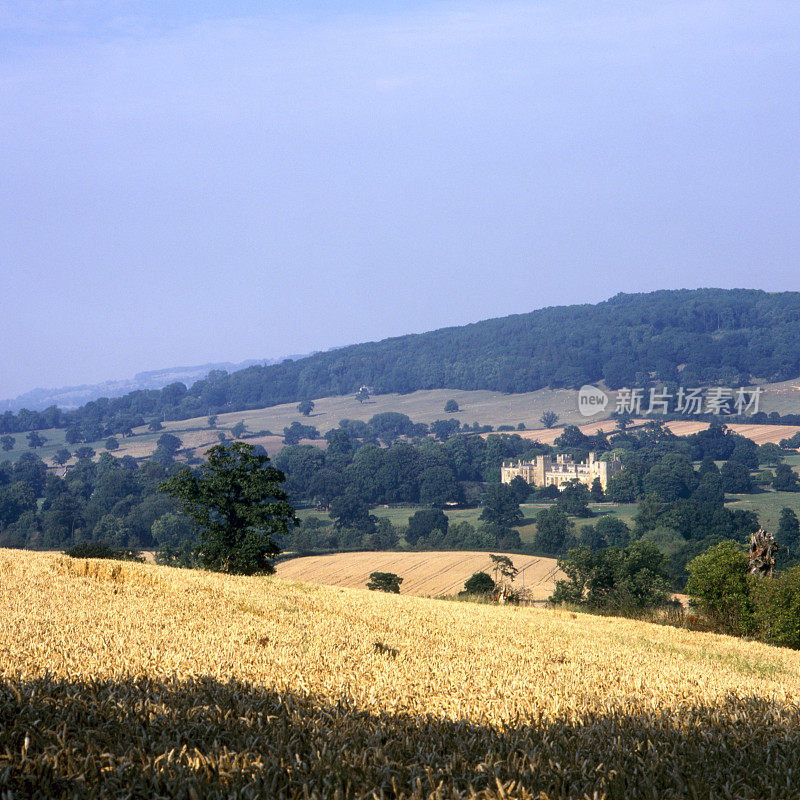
(425, 574)
(135, 680)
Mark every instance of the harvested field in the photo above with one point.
(128, 680)
(431, 574)
(760, 434)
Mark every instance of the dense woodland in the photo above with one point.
(686, 337)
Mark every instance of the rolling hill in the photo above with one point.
(695, 337)
(136, 680)
(426, 574)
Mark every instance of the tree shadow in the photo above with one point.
(205, 738)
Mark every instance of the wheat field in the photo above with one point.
(425, 574)
(132, 680)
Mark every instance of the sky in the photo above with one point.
(189, 182)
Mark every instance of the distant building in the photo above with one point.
(545, 471)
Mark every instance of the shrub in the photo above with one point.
(718, 584)
(97, 550)
(776, 605)
(479, 583)
(384, 582)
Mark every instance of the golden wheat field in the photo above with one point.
(426, 574)
(132, 680)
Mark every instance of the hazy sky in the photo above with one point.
(198, 181)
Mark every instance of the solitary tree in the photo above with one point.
(112, 443)
(505, 566)
(362, 394)
(549, 419)
(239, 429)
(305, 407)
(238, 506)
(212, 421)
(84, 452)
(451, 407)
(7, 442)
(35, 439)
(384, 582)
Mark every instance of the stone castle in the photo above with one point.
(544, 471)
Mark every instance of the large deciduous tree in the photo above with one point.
(238, 506)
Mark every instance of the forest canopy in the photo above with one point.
(687, 337)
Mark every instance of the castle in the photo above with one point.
(544, 471)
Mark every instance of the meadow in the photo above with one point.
(142, 681)
(484, 407)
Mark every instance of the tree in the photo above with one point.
(155, 425)
(297, 431)
(549, 419)
(505, 566)
(423, 522)
(718, 584)
(212, 421)
(350, 511)
(624, 487)
(500, 505)
(735, 478)
(305, 407)
(84, 452)
(521, 488)
(479, 583)
(597, 493)
(112, 443)
(384, 582)
(770, 453)
(443, 429)
(73, 435)
(238, 430)
(362, 394)
(238, 506)
(35, 439)
(785, 479)
(776, 605)
(554, 531)
(614, 579)
(451, 407)
(62, 456)
(614, 531)
(788, 529)
(7, 442)
(574, 499)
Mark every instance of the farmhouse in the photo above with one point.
(544, 471)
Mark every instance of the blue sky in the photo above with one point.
(192, 182)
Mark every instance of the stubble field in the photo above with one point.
(141, 681)
(425, 574)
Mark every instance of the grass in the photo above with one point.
(767, 505)
(484, 407)
(143, 681)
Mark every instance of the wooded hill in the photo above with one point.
(692, 337)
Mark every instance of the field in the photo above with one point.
(484, 407)
(426, 574)
(141, 681)
(767, 505)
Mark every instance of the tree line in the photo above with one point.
(686, 337)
